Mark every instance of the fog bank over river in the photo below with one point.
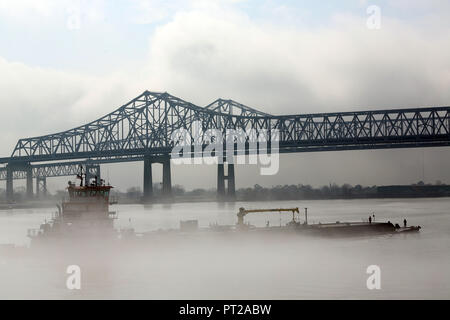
(253, 267)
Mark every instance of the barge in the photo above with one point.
(329, 229)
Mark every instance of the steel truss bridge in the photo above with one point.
(142, 130)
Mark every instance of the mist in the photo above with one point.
(240, 265)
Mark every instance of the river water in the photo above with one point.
(413, 266)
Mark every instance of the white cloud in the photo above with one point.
(22, 7)
(214, 51)
(37, 101)
(204, 53)
(150, 11)
(36, 12)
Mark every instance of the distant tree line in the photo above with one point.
(255, 193)
(279, 192)
(300, 191)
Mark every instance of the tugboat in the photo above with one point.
(83, 216)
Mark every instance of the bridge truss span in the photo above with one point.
(48, 170)
(378, 129)
(145, 126)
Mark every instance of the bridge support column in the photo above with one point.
(167, 178)
(45, 186)
(148, 179)
(29, 171)
(220, 181)
(228, 193)
(9, 183)
(231, 182)
(41, 186)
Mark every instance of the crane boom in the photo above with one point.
(242, 213)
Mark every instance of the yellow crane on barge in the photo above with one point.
(242, 213)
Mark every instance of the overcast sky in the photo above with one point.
(67, 62)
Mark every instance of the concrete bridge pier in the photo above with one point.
(22, 167)
(148, 179)
(231, 182)
(41, 186)
(29, 172)
(228, 193)
(9, 184)
(167, 178)
(220, 180)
